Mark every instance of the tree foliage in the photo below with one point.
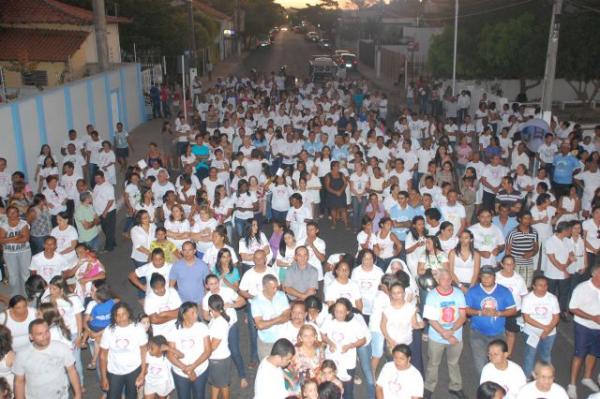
(260, 15)
(325, 14)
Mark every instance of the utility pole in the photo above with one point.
(100, 30)
(237, 26)
(550, 71)
(455, 47)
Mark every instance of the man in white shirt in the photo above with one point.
(104, 205)
(558, 257)
(48, 263)
(489, 240)
(250, 287)
(56, 197)
(585, 306)
(270, 380)
(591, 235)
(454, 212)
(5, 180)
(590, 180)
(502, 371)
(491, 179)
(544, 385)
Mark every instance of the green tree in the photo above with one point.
(578, 54)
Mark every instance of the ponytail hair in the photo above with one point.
(216, 304)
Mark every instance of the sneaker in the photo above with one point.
(357, 380)
(590, 384)
(572, 391)
(458, 394)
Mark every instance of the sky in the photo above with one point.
(296, 3)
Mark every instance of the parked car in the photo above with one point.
(348, 60)
(312, 37)
(324, 44)
(263, 41)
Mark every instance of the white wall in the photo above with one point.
(510, 88)
(46, 118)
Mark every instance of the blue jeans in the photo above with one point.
(278, 215)
(187, 389)
(92, 168)
(543, 351)
(479, 347)
(94, 243)
(36, 244)
(252, 335)
(240, 225)
(234, 348)
(359, 204)
(364, 358)
(349, 385)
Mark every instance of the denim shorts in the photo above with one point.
(377, 344)
(587, 341)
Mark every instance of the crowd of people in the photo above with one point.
(454, 234)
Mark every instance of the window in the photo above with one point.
(35, 78)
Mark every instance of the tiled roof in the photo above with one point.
(48, 11)
(36, 45)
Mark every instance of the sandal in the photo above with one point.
(91, 366)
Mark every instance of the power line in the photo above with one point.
(476, 13)
(585, 7)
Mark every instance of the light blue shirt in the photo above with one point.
(313, 147)
(564, 166)
(445, 309)
(339, 153)
(510, 225)
(398, 214)
(267, 310)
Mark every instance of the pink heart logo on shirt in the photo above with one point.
(188, 343)
(122, 343)
(366, 285)
(337, 336)
(154, 370)
(395, 386)
(541, 310)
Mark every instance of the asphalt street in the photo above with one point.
(292, 50)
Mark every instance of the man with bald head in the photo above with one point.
(445, 308)
(251, 286)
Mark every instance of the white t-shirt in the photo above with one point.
(494, 175)
(454, 214)
(229, 297)
(297, 218)
(512, 379)
(244, 201)
(123, 345)
(157, 304)
(254, 246)
(252, 280)
(586, 296)
(312, 257)
(515, 284)
(342, 333)
(281, 197)
(102, 195)
(399, 323)
(400, 384)
(269, 382)
(540, 309)
(190, 341)
(544, 229)
(368, 284)
(591, 233)
(219, 328)
(210, 255)
(139, 238)
(178, 226)
(69, 310)
(146, 271)
(359, 182)
(64, 239)
(48, 268)
(19, 330)
(560, 248)
(530, 391)
(486, 239)
(337, 290)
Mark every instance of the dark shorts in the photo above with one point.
(122, 152)
(587, 341)
(219, 372)
(511, 323)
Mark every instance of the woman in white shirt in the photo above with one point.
(399, 318)
(343, 336)
(415, 243)
(192, 338)
(287, 250)
(245, 204)
(122, 354)
(367, 277)
(147, 204)
(253, 240)
(66, 238)
(178, 227)
(219, 364)
(223, 209)
(385, 244)
(464, 261)
(70, 308)
(142, 234)
(17, 318)
(202, 229)
(343, 287)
